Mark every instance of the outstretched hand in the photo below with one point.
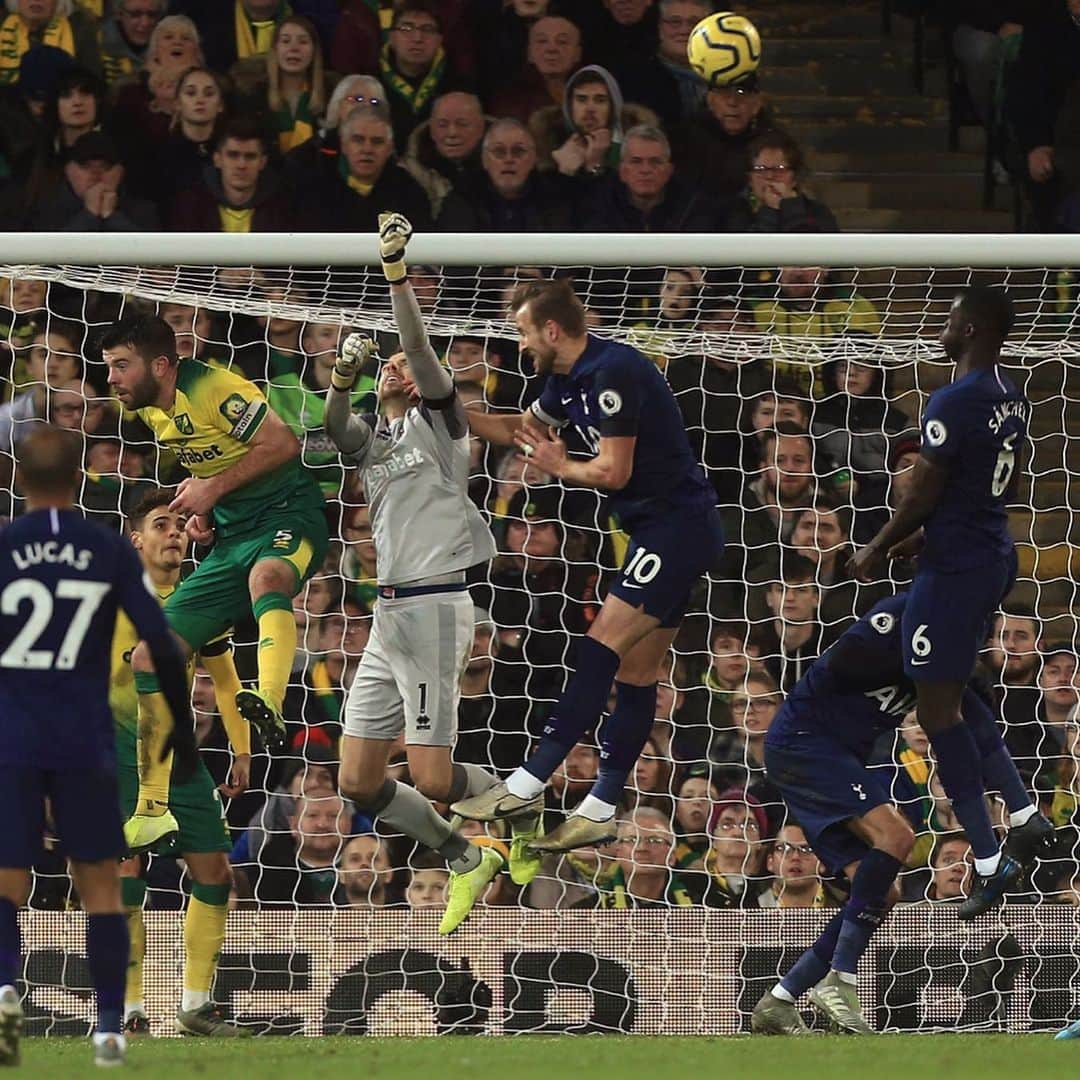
(545, 450)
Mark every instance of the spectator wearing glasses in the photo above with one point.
(644, 851)
(125, 35)
(735, 860)
(363, 24)
(712, 148)
(414, 67)
(773, 200)
(513, 196)
(795, 870)
(352, 92)
(664, 81)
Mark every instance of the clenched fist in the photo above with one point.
(356, 351)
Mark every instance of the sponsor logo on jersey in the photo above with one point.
(183, 424)
(196, 457)
(396, 463)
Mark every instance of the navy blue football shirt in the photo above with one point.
(61, 582)
(976, 428)
(858, 689)
(611, 391)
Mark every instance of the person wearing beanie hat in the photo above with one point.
(40, 70)
(738, 828)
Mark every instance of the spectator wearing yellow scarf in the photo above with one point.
(56, 23)
(296, 90)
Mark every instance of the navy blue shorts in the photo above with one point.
(948, 617)
(824, 785)
(665, 559)
(85, 806)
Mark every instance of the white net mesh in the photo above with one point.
(846, 357)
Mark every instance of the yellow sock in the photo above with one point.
(277, 644)
(133, 987)
(155, 726)
(204, 934)
(226, 682)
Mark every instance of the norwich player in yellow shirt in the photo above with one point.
(195, 813)
(249, 494)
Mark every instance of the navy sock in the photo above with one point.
(579, 708)
(107, 954)
(998, 768)
(623, 737)
(961, 769)
(814, 964)
(866, 908)
(10, 943)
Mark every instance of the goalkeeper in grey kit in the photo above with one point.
(414, 461)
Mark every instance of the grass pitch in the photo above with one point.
(949, 1057)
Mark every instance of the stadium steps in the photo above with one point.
(877, 149)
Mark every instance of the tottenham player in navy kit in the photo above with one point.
(62, 580)
(622, 410)
(973, 437)
(816, 753)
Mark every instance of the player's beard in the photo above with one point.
(144, 392)
(543, 362)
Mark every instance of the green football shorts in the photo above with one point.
(196, 803)
(215, 597)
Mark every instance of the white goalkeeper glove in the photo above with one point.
(394, 233)
(356, 351)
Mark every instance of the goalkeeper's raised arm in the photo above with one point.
(414, 465)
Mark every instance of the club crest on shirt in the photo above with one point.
(936, 432)
(610, 402)
(183, 424)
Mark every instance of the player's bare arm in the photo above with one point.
(271, 446)
(609, 470)
(927, 488)
(499, 429)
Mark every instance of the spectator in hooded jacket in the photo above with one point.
(584, 136)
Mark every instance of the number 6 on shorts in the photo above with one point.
(920, 643)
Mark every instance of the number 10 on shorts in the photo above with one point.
(643, 566)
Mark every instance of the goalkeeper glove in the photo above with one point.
(394, 233)
(356, 351)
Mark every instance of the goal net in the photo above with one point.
(800, 365)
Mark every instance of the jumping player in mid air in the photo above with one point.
(816, 752)
(62, 582)
(414, 463)
(974, 433)
(622, 410)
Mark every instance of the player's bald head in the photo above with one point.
(49, 462)
(989, 309)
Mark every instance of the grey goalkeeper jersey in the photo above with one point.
(415, 472)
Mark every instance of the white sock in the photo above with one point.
(194, 999)
(6, 987)
(779, 992)
(846, 976)
(133, 1008)
(524, 785)
(1021, 817)
(595, 809)
(987, 867)
(101, 1036)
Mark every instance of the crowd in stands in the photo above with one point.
(502, 116)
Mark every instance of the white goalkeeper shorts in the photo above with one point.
(410, 674)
